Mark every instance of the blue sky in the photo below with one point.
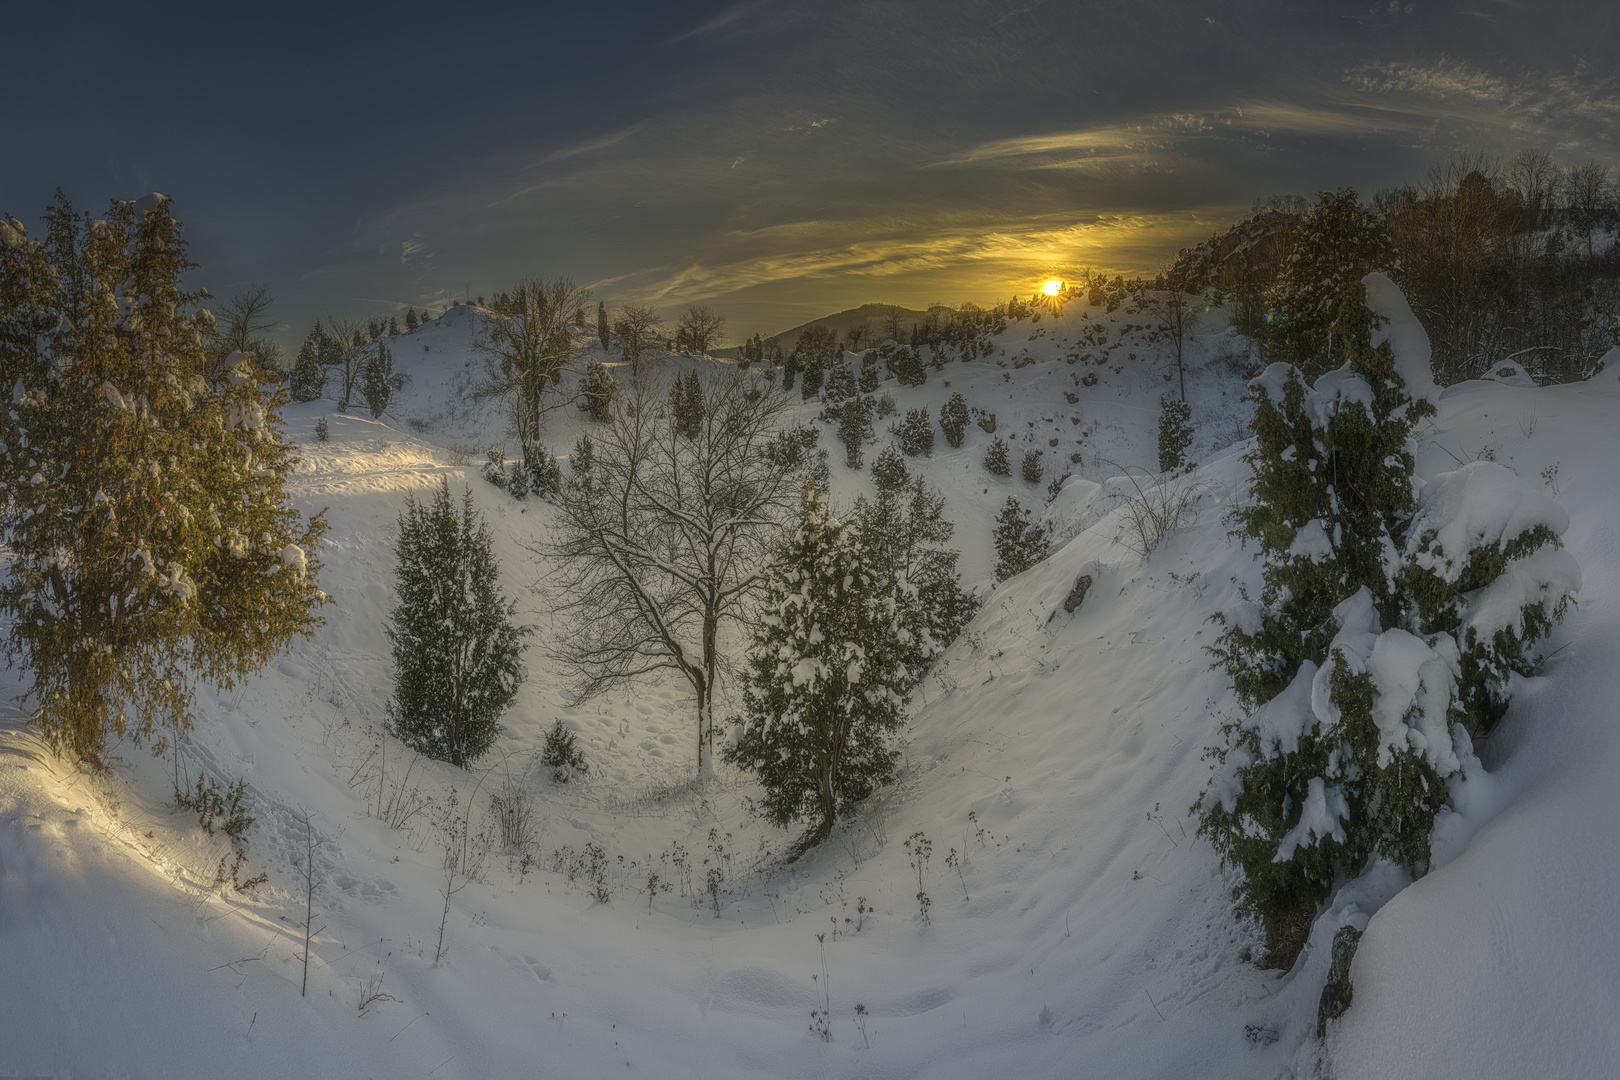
(778, 160)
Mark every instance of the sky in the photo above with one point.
(775, 159)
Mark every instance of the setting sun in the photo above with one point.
(1052, 288)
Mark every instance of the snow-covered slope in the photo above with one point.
(1081, 927)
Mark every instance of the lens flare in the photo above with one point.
(1052, 288)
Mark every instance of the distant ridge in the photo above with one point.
(872, 316)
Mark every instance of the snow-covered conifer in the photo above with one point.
(904, 530)
(1029, 466)
(953, 419)
(596, 390)
(309, 375)
(995, 458)
(916, 433)
(457, 652)
(151, 547)
(889, 471)
(1337, 243)
(686, 405)
(828, 676)
(1175, 432)
(375, 384)
(855, 428)
(1020, 543)
(1386, 631)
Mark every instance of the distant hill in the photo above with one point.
(874, 317)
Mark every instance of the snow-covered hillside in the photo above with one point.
(1077, 925)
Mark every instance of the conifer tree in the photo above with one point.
(904, 531)
(374, 380)
(393, 326)
(855, 429)
(151, 548)
(869, 378)
(1175, 432)
(890, 471)
(457, 652)
(602, 325)
(828, 676)
(810, 385)
(1029, 466)
(411, 322)
(1386, 632)
(839, 385)
(995, 458)
(686, 404)
(1337, 243)
(917, 433)
(1020, 543)
(309, 375)
(953, 420)
(596, 391)
(790, 368)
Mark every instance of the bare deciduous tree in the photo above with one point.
(699, 328)
(346, 343)
(1175, 318)
(636, 327)
(529, 344)
(667, 543)
(239, 326)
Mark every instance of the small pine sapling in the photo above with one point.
(562, 754)
(953, 420)
(995, 458)
(855, 429)
(916, 433)
(1029, 467)
(495, 466)
(1020, 543)
(889, 471)
(517, 481)
(1175, 432)
(322, 432)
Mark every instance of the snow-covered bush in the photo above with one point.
(495, 466)
(828, 677)
(1386, 631)
(457, 652)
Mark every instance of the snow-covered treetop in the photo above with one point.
(1407, 339)
(1482, 504)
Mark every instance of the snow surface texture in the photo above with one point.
(1089, 932)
